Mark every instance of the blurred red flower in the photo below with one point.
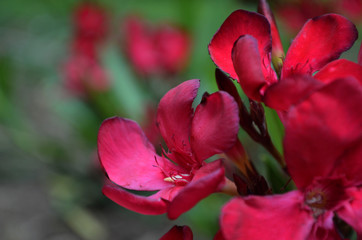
(295, 13)
(83, 71)
(90, 22)
(163, 50)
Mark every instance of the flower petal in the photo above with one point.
(351, 212)
(208, 179)
(178, 233)
(321, 129)
(215, 125)
(290, 91)
(340, 68)
(151, 205)
(128, 157)
(270, 217)
(321, 40)
(247, 65)
(277, 47)
(239, 23)
(174, 116)
(349, 164)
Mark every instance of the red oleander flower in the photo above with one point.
(90, 22)
(162, 50)
(178, 233)
(181, 177)
(323, 149)
(242, 47)
(84, 75)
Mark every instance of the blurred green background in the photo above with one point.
(50, 179)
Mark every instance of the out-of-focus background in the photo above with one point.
(65, 66)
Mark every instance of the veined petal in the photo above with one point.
(247, 64)
(280, 216)
(239, 23)
(321, 40)
(290, 91)
(151, 205)
(174, 116)
(208, 179)
(128, 158)
(340, 68)
(321, 129)
(351, 212)
(215, 125)
(178, 233)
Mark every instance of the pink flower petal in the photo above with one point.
(215, 125)
(290, 91)
(340, 68)
(321, 40)
(352, 211)
(239, 23)
(128, 157)
(208, 179)
(151, 205)
(247, 65)
(271, 217)
(174, 116)
(178, 233)
(321, 129)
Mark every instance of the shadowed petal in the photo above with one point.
(247, 65)
(352, 211)
(174, 116)
(215, 125)
(128, 157)
(178, 233)
(321, 128)
(340, 68)
(290, 91)
(239, 23)
(349, 164)
(321, 40)
(151, 205)
(208, 179)
(268, 218)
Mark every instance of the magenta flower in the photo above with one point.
(242, 47)
(180, 177)
(323, 149)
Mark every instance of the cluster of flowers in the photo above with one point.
(83, 71)
(317, 97)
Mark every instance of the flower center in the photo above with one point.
(179, 179)
(325, 194)
(316, 200)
